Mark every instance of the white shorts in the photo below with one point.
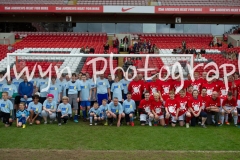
(238, 103)
(229, 108)
(143, 117)
(173, 119)
(161, 117)
(182, 117)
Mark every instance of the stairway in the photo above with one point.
(120, 64)
(81, 64)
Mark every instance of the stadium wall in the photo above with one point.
(9, 36)
(234, 39)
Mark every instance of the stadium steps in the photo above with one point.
(81, 64)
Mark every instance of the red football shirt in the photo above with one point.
(217, 84)
(204, 101)
(197, 85)
(210, 88)
(213, 102)
(136, 88)
(202, 80)
(229, 103)
(195, 104)
(172, 105)
(177, 84)
(188, 95)
(187, 83)
(237, 83)
(146, 105)
(183, 104)
(157, 107)
(153, 87)
(223, 91)
(165, 87)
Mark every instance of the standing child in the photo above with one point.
(73, 92)
(117, 90)
(6, 109)
(85, 96)
(63, 111)
(129, 108)
(94, 113)
(22, 115)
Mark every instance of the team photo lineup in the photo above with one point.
(119, 101)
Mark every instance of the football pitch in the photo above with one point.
(81, 141)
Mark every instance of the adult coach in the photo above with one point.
(103, 89)
(25, 90)
(136, 88)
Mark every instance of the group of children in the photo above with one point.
(105, 100)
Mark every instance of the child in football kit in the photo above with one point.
(63, 111)
(129, 108)
(35, 110)
(145, 110)
(172, 109)
(22, 115)
(229, 106)
(104, 111)
(6, 109)
(156, 108)
(115, 111)
(94, 114)
(195, 106)
(183, 110)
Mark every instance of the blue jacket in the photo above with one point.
(25, 88)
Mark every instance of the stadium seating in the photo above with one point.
(170, 41)
(60, 43)
(3, 51)
(99, 66)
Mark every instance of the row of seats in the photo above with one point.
(99, 66)
(60, 61)
(85, 34)
(3, 51)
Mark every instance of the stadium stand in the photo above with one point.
(80, 2)
(131, 3)
(232, 3)
(60, 43)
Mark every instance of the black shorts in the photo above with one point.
(5, 117)
(137, 104)
(38, 118)
(42, 99)
(17, 100)
(92, 102)
(142, 122)
(127, 118)
(238, 110)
